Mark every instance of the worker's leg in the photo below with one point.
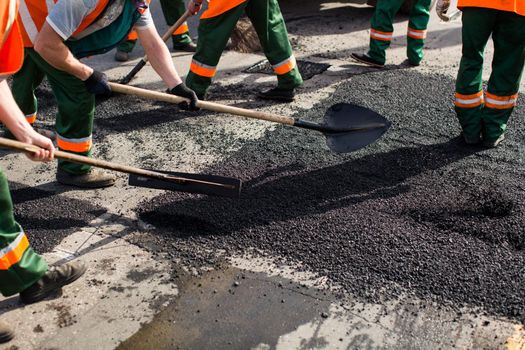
(20, 266)
(268, 22)
(25, 82)
(382, 28)
(173, 10)
(214, 33)
(417, 30)
(76, 107)
(129, 44)
(507, 68)
(477, 28)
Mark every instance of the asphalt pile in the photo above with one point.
(418, 212)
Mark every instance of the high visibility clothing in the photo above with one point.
(382, 30)
(487, 114)
(172, 10)
(516, 6)
(20, 266)
(76, 106)
(215, 27)
(11, 48)
(100, 31)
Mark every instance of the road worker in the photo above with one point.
(172, 10)
(484, 118)
(215, 27)
(56, 35)
(21, 269)
(382, 31)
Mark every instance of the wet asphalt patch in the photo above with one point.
(259, 308)
(417, 212)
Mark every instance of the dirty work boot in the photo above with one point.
(121, 56)
(187, 47)
(92, 179)
(471, 140)
(54, 279)
(364, 58)
(494, 143)
(6, 334)
(277, 94)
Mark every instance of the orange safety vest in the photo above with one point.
(11, 47)
(218, 7)
(33, 14)
(517, 6)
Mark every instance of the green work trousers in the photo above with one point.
(172, 10)
(76, 106)
(382, 29)
(214, 33)
(20, 266)
(489, 117)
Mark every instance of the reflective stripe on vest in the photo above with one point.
(500, 102)
(378, 35)
(11, 16)
(33, 14)
(516, 6)
(218, 7)
(202, 69)
(469, 101)
(74, 145)
(416, 33)
(11, 46)
(285, 66)
(12, 254)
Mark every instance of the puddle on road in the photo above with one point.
(231, 309)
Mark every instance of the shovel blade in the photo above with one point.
(226, 186)
(357, 127)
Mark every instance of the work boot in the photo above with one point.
(121, 56)
(471, 140)
(187, 47)
(54, 279)
(494, 143)
(6, 334)
(92, 179)
(364, 58)
(278, 94)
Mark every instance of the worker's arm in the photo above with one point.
(12, 117)
(51, 47)
(160, 58)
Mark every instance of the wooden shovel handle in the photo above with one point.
(25, 147)
(210, 106)
(172, 30)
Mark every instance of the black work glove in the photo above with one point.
(97, 84)
(183, 91)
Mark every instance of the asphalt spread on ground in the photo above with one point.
(418, 212)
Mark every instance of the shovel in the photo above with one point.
(347, 127)
(163, 180)
(165, 38)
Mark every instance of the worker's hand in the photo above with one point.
(183, 91)
(97, 84)
(194, 6)
(442, 7)
(45, 154)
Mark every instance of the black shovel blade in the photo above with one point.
(351, 127)
(217, 185)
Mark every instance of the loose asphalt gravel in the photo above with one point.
(418, 212)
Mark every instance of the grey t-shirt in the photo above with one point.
(67, 15)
